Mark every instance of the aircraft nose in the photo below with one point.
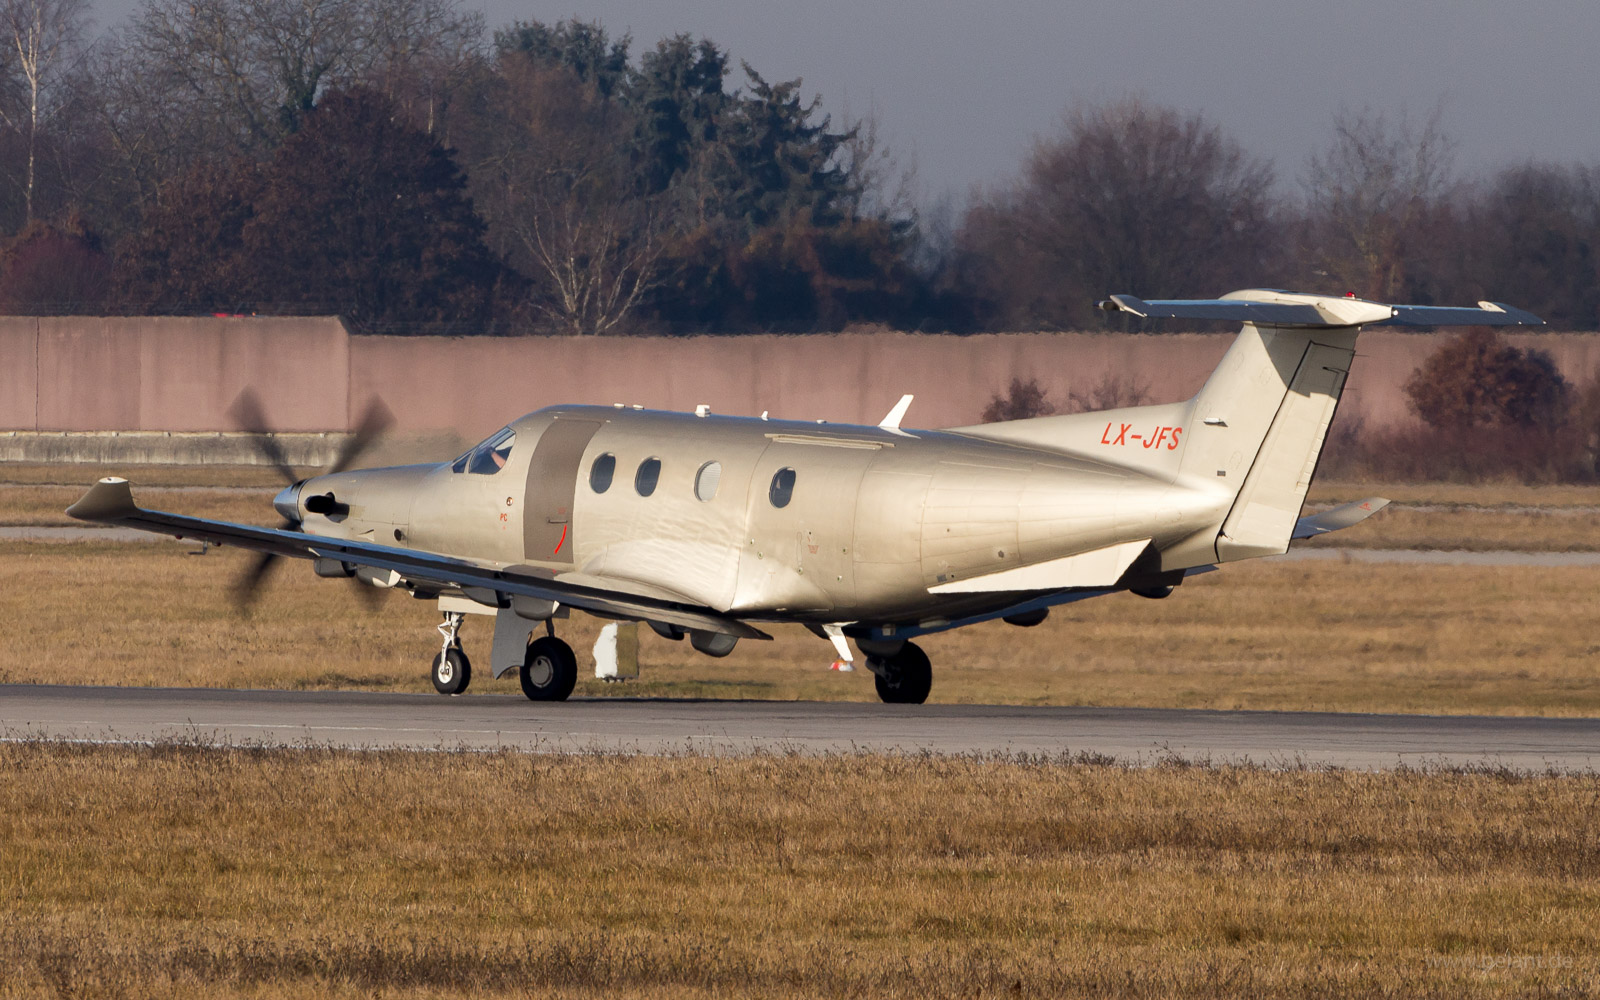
(287, 502)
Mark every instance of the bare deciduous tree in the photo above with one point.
(1128, 195)
(596, 260)
(42, 41)
(244, 72)
(885, 187)
(550, 154)
(1370, 197)
(1532, 236)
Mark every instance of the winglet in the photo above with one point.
(106, 500)
(1334, 518)
(891, 420)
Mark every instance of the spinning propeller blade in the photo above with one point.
(373, 423)
(244, 589)
(249, 415)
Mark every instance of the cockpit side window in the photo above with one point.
(488, 457)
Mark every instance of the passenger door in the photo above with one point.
(552, 486)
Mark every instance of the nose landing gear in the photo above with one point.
(452, 671)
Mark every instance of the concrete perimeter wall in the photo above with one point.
(181, 374)
(162, 373)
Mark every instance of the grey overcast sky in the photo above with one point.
(963, 87)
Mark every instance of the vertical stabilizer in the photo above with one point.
(1259, 425)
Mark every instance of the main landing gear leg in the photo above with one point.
(903, 678)
(452, 671)
(550, 668)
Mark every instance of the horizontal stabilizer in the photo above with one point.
(1097, 568)
(1486, 314)
(1334, 518)
(1269, 307)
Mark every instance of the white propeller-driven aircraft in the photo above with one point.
(710, 527)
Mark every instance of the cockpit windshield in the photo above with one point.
(488, 457)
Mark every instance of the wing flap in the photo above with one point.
(110, 501)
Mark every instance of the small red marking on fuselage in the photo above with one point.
(562, 542)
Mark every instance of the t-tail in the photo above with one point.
(1255, 431)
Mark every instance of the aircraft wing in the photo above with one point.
(1334, 518)
(110, 501)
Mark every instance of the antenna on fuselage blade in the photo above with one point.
(891, 420)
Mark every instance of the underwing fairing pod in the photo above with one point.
(710, 527)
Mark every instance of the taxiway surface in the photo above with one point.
(354, 719)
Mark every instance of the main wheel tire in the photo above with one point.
(550, 670)
(905, 678)
(452, 671)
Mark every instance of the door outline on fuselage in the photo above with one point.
(552, 489)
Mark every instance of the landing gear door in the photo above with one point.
(552, 487)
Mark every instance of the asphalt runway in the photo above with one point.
(478, 722)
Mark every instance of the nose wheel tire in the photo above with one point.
(904, 678)
(452, 671)
(550, 670)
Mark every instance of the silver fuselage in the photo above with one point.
(874, 517)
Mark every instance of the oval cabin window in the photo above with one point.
(644, 481)
(706, 480)
(782, 488)
(601, 472)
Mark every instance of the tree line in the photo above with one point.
(397, 162)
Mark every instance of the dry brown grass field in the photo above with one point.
(1326, 636)
(185, 871)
